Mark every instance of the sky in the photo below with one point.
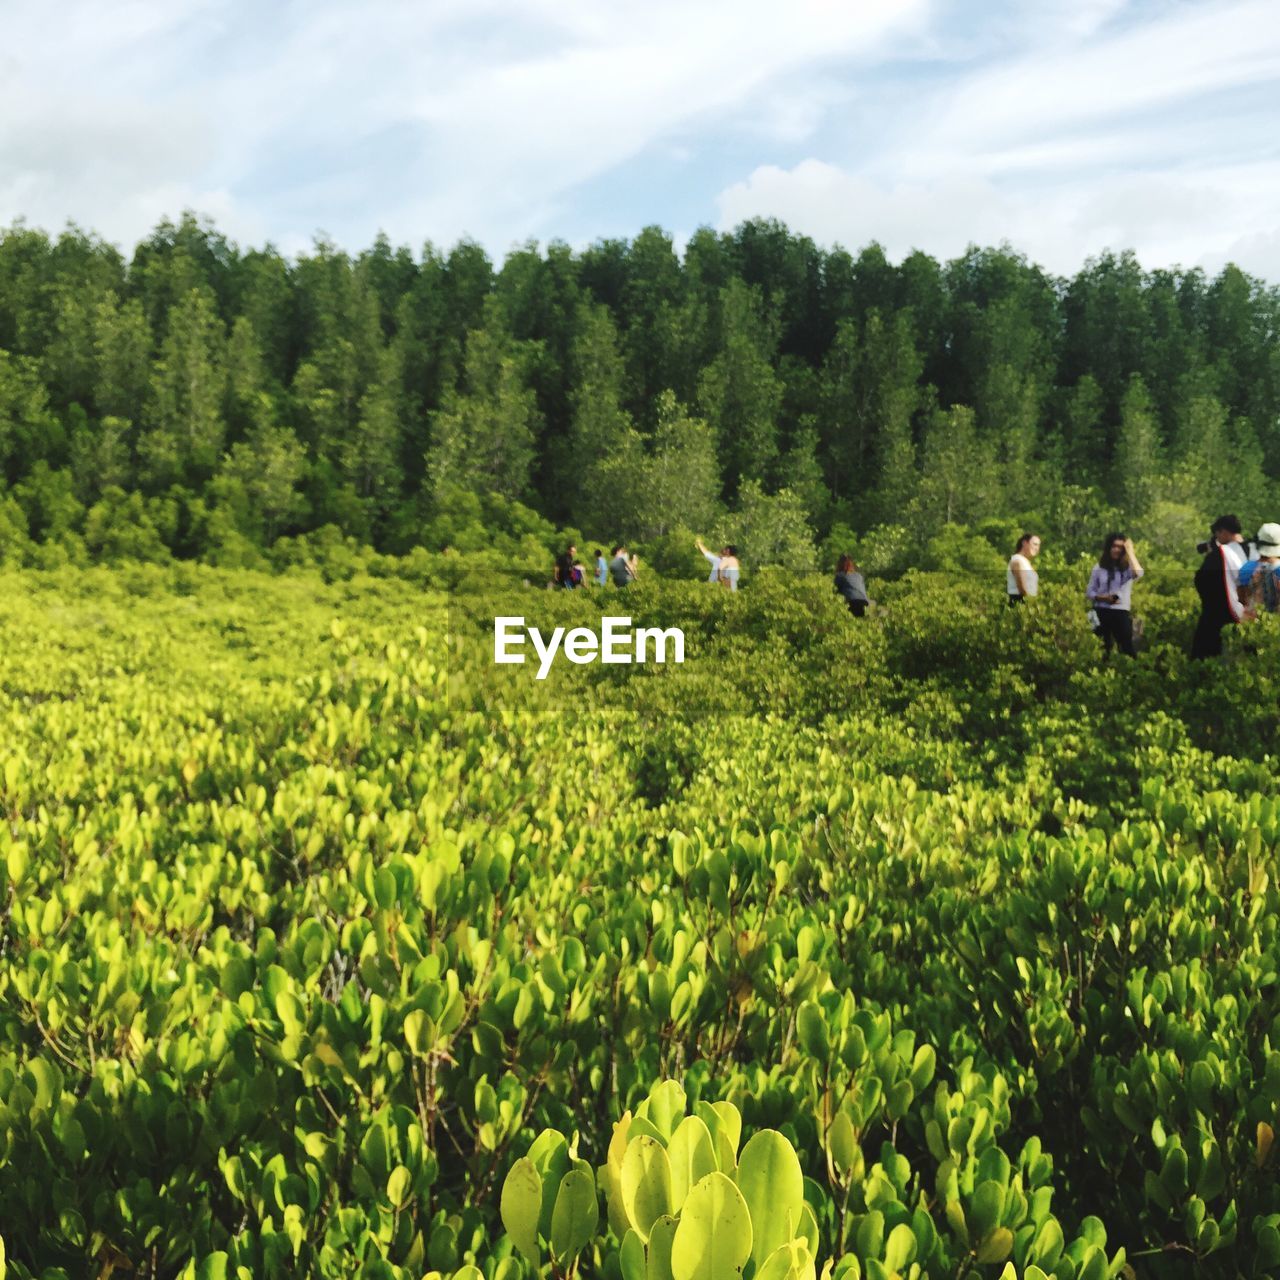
(1064, 127)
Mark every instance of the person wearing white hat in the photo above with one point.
(1260, 578)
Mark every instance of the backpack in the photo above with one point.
(1266, 588)
(575, 576)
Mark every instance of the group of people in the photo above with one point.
(569, 572)
(622, 568)
(1235, 582)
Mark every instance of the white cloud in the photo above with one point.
(1064, 125)
(271, 117)
(1118, 136)
(1081, 85)
(1203, 218)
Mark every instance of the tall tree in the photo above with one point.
(960, 482)
(739, 392)
(185, 428)
(598, 420)
(484, 436)
(1138, 455)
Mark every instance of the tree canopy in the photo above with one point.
(230, 396)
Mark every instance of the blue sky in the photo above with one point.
(1063, 128)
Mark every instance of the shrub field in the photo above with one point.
(927, 945)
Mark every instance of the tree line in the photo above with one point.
(199, 399)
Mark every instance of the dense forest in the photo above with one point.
(200, 400)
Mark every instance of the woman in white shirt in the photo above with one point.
(1021, 580)
(711, 558)
(729, 567)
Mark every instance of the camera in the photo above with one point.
(1203, 547)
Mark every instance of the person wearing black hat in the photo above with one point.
(1217, 581)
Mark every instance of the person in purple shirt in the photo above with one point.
(1110, 587)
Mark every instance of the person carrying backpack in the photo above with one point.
(622, 568)
(1217, 585)
(1260, 577)
(851, 586)
(729, 569)
(568, 573)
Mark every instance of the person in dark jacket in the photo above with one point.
(568, 572)
(851, 586)
(1217, 584)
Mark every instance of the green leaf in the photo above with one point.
(996, 1247)
(713, 1240)
(811, 1031)
(521, 1206)
(843, 1144)
(398, 1186)
(661, 1239)
(772, 1184)
(791, 1261)
(666, 1107)
(213, 1266)
(631, 1257)
(576, 1214)
(985, 1208)
(646, 1184)
(692, 1157)
(900, 1248)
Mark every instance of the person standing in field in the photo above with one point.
(621, 569)
(568, 573)
(729, 568)
(602, 568)
(1217, 585)
(712, 559)
(852, 586)
(1109, 592)
(1260, 577)
(1021, 580)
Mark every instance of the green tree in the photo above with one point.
(1083, 431)
(645, 492)
(598, 421)
(49, 500)
(771, 530)
(122, 351)
(960, 482)
(1138, 456)
(739, 392)
(370, 453)
(484, 436)
(184, 436)
(268, 467)
(28, 428)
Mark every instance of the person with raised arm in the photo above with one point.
(712, 558)
(1109, 592)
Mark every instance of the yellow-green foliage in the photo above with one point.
(926, 945)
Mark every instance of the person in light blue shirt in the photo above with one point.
(1260, 576)
(602, 569)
